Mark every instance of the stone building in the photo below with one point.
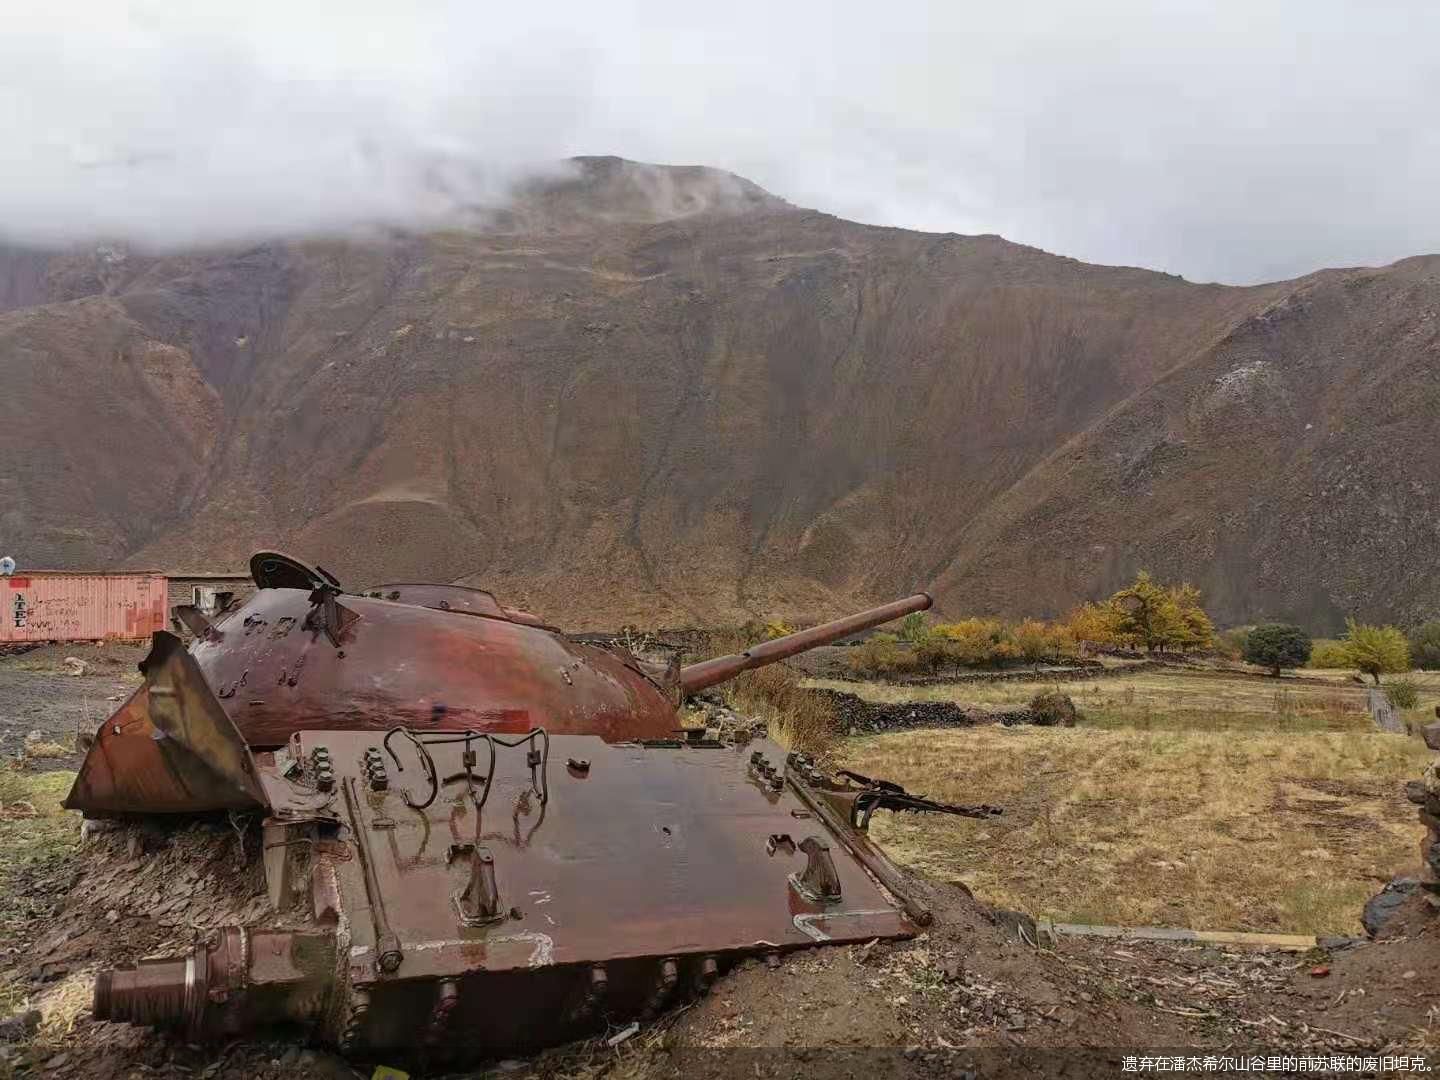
(210, 591)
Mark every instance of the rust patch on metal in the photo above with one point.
(169, 749)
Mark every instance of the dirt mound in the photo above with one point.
(973, 994)
(128, 892)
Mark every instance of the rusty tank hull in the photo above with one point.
(475, 821)
(598, 894)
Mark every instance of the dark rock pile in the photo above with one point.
(856, 716)
(834, 662)
(1053, 709)
(1386, 904)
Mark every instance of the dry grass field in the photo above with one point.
(1188, 800)
(1181, 700)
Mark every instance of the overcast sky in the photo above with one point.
(1235, 141)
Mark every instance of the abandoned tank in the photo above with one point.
(480, 835)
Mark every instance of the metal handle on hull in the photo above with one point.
(695, 677)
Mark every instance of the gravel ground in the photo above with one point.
(38, 694)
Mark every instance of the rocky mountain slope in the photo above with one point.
(649, 394)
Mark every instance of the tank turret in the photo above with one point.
(303, 654)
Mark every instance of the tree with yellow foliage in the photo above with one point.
(1376, 650)
(1147, 613)
(1160, 618)
(1038, 641)
(972, 642)
(1195, 630)
(1096, 623)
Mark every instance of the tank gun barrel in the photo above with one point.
(696, 677)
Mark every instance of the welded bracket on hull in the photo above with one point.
(170, 749)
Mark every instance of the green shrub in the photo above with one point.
(1425, 645)
(880, 654)
(1403, 693)
(1376, 650)
(1329, 653)
(914, 628)
(1276, 646)
(1231, 643)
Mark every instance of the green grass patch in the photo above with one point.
(34, 831)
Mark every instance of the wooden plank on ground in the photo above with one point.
(1047, 929)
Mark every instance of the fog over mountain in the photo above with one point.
(1238, 143)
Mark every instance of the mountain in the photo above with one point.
(658, 395)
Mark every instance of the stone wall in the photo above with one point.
(182, 590)
(832, 662)
(855, 715)
(1425, 792)
(210, 592)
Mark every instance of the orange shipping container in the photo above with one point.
(56, 605)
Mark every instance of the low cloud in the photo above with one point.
(1253, 142)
